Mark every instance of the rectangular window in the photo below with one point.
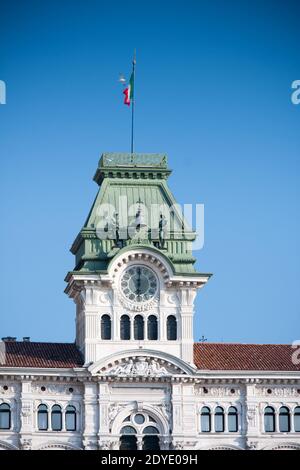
(269, 423)
(56, 422)
(43, 421)
(71, 422)
(205, 423)
(219, 423)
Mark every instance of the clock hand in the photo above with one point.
(138, 290)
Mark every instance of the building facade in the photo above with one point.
(135, 378)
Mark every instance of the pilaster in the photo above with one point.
(91, 415)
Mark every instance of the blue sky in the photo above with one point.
(213, 89)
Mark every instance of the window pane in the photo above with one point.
(42, 418)
(125, 327)
(105, 327)
(205, 422)
(232, 422)
(219, 419)
(56, 421)
(70, 421)
(269, 419)
(297, 419)
(171, 328)
(138, 327)
(219, 423)
(139, 419)
(150, 430)
(4, 418)
(128, 430)
(284, 419)
(152, 328)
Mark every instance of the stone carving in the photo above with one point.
(278, 391)
(105, 445)
(10, 388)
(26, 444)
(166, 410)
(54, 389)
(104, 298)
(217, 391)
(252, 445)
(251, 416)
(178, 445)
(172, 299)
(113, 410)
(138, 306)
(26, 414)
(141, 367)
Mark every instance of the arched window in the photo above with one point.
(152, 328)
(43, 418)
(205, 419)
(70, 418)
(284, 419)
(232, 419)
(269, 419)
(105, 327)
(128, 439)
(150, 439)
(138, 327)
(171, 328)
(297, 419)
(5, 416)
(219, 419)
(125, 327)
(56, 418)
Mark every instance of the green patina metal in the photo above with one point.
(126, 181)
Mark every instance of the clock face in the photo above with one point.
(139, 284)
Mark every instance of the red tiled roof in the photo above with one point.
(31, 354)
(207, 356)
(234, 356)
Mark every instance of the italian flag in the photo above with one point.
(128, 92)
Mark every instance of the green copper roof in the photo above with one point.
(126, 181)
(132, 165)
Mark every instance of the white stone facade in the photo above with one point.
(103, 402)
(155, 379)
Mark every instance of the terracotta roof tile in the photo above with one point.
(207, 356)
(234, 356)
(44, 355)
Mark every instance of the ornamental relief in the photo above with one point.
(172, 299)
(6, 389)
(141, 367)
(166, 410)
(26, 413)
(55, 389)
(251, 416)
(138, 307)
(217, 391)
(113, 410)
(104, 299)
(278, 392)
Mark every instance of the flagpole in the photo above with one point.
(132, 109)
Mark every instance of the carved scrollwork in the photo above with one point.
(138, 307)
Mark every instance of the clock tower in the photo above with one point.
(134, 281)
